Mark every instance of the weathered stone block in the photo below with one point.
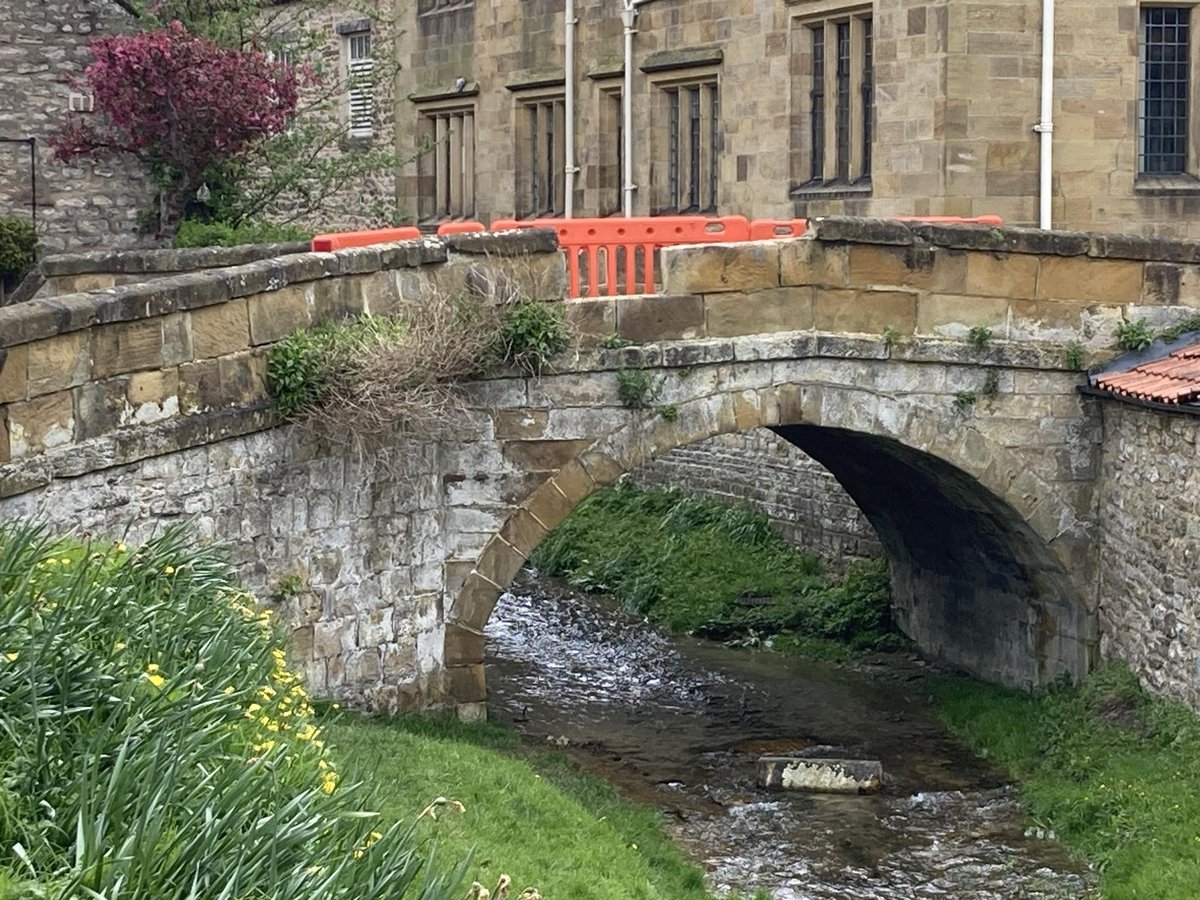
(523, 531)
(574, 482)
(59, 363)
(14, 367)
(1048, 313)
(549, 506)
(1095, 280)
(101, 406)
(711, 268)
(914, 265)
(520, 424)
(543, 456)
(762, 312)
(464, 646)
(220, 330)
(660, 317)
(41, 424)
(864, 312)
(805, 261)
(200, 386)
(594, 318)
(153, 387)
(276, 314)
(499, 562)
(1001, 275)
(466, 684)
(952, 315)
(474, 601)
(127, 347)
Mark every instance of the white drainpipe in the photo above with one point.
(628, 17)
(569, 103)
(1045, 127)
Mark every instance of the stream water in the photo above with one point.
(679, 723)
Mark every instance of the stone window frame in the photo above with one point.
(1187, 181)
(611, 151)
(539, 135)
(847, 174)
(668, 144)
(446, 166)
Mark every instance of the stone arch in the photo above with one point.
(995, 543)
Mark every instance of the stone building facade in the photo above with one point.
(43, 44)
(781, 108)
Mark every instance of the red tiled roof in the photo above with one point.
(1172, 379)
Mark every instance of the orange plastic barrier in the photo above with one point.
(460, 228)
(343, 239)
(628, 246)
(765, 229)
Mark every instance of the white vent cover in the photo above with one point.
(81, 103)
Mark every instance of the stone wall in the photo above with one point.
(760, 469)
(43, 44)
(1149, 520)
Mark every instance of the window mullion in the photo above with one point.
(829, 163)
(856, 99)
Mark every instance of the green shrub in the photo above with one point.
(1134, 335)
(18, 248)
(154, 745)
(979, 336)
(303, 365)
(636, 388)
(194, 233)
(531, 334)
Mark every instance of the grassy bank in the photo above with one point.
(1111, 771)
(529, 814)
(703, 567)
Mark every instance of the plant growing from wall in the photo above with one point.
(636, 388)
(890, 337)
(376, 378)
(614, 342)
(180, 104)
(1073, 356)
(1134, 335)
(193, 233)
(530, 334)
(979, 336)
(964, 400)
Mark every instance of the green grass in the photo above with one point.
(687, 562)
(1109, 769)
(530, 814)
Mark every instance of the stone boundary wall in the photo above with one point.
(71, 273)
(1149, 518)
(869, 276)
(81, 375)
(807, 506)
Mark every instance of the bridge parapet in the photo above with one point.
(108, 376)
(867, 276)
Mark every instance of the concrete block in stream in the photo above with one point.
(840, 776)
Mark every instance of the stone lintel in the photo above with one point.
(686, 58)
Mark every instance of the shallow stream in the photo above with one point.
(679, 723)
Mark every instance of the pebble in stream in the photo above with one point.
(679, 723)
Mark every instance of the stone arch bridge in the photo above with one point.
(142, 399)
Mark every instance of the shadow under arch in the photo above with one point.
(976, 539)
(972, 583)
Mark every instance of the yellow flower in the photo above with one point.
(266, 693)
(156, 680)
(227, 690)
(169, 570)
(265, 747)
(329, 781)
(308, 732)
(65, 561)
(11, 657)
(119, 645)
(152, 668)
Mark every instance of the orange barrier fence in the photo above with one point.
(627, 246)
(460, 228)
(343, 239)
(617, 255)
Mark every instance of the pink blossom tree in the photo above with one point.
(181, 104)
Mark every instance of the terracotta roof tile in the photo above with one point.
(1172, 379)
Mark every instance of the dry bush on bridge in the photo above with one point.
(376, 380)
